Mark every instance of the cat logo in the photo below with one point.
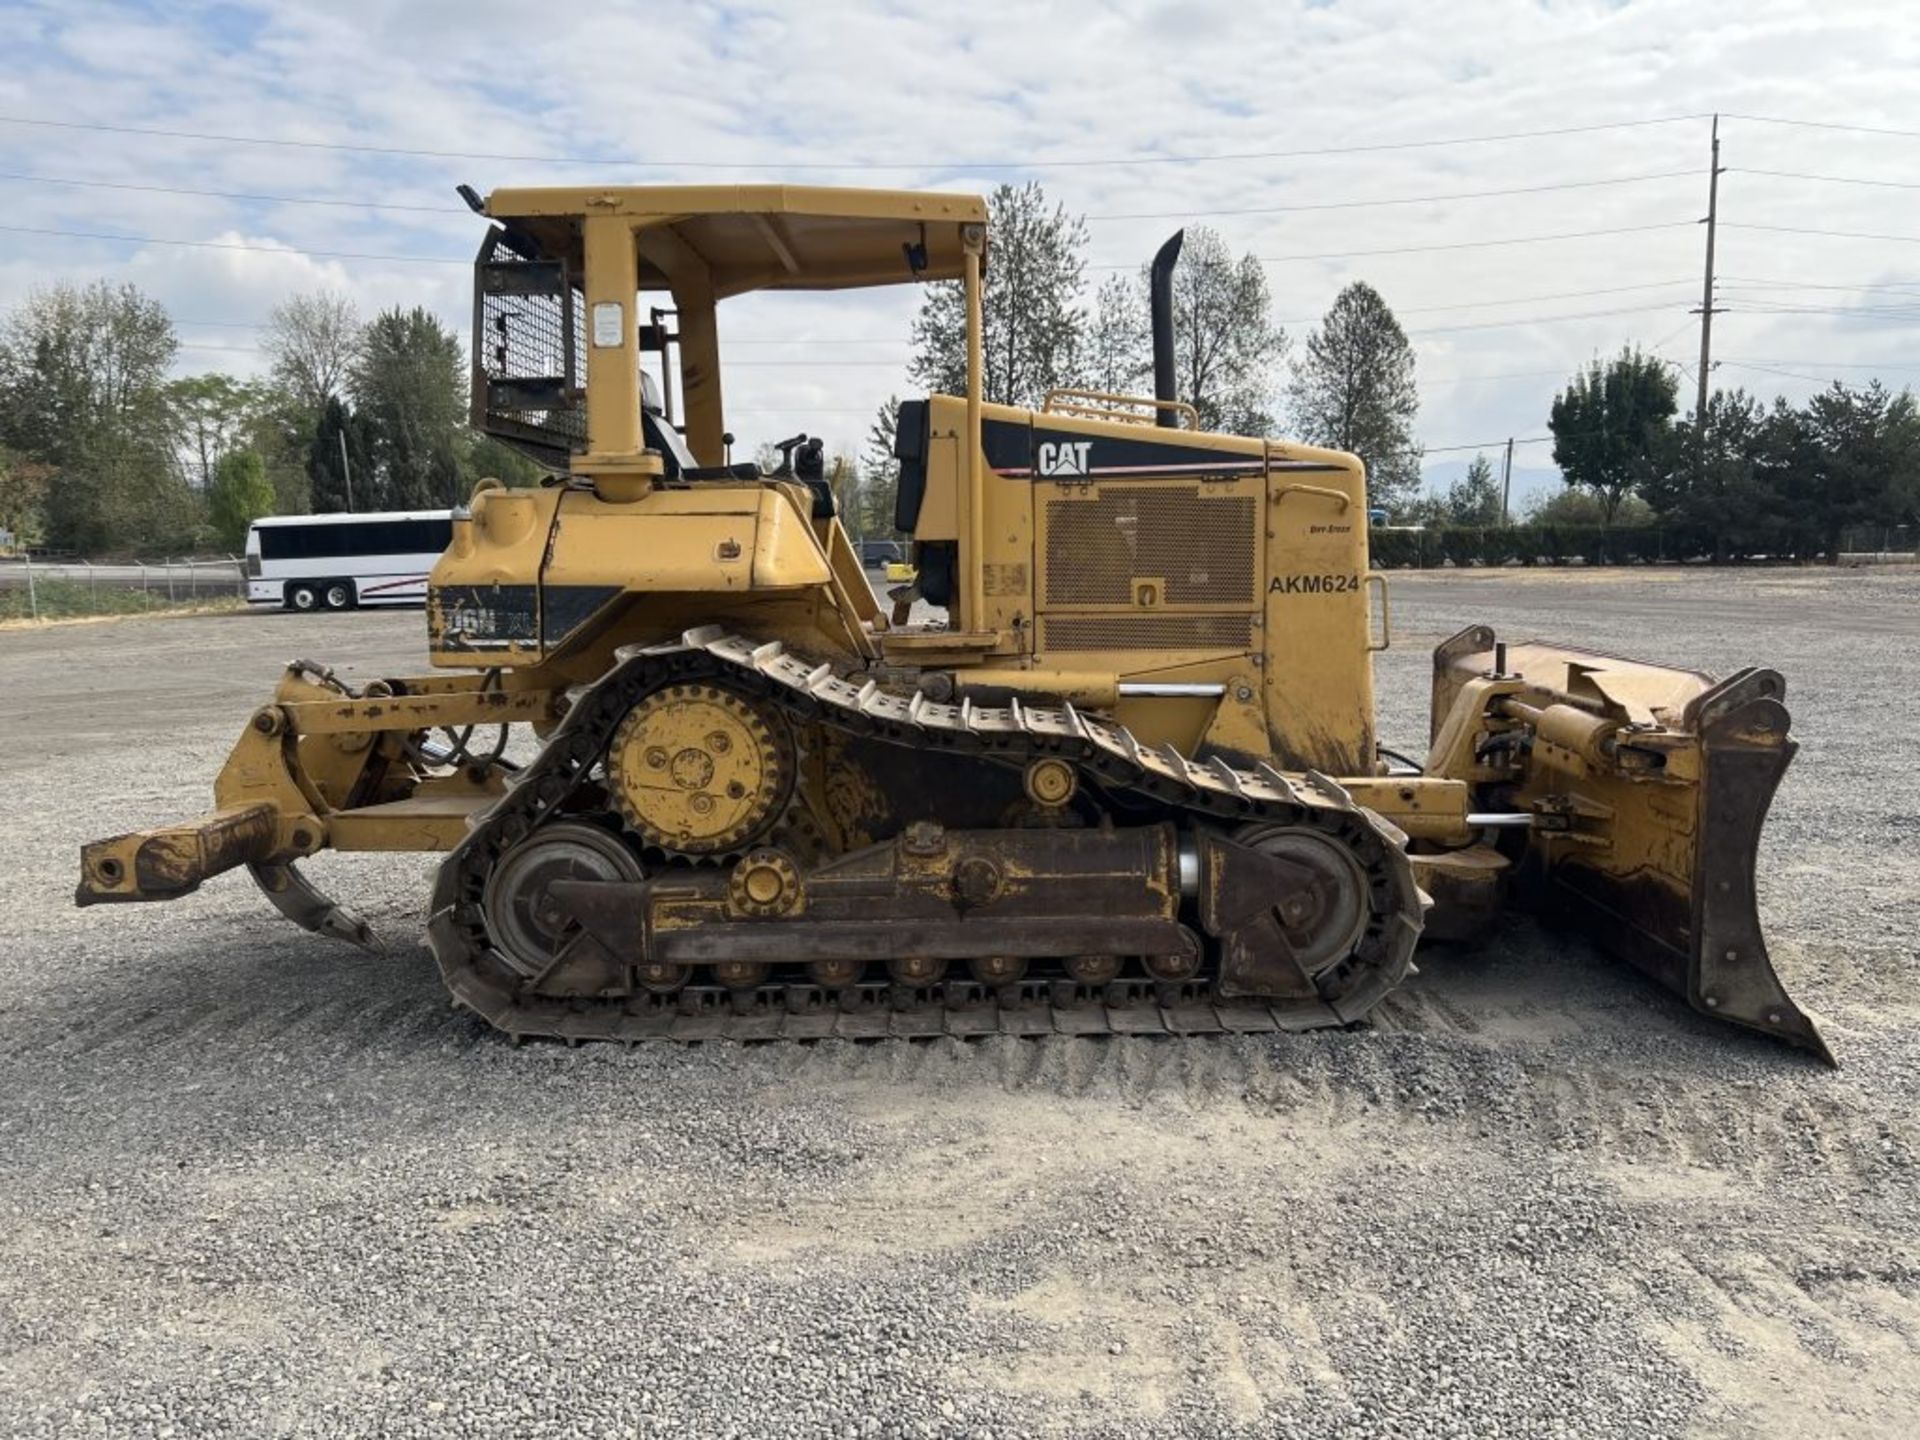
(1065, 457)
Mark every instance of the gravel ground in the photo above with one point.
(257, 1184)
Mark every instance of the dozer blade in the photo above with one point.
(1650, 787)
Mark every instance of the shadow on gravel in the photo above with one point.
(1523, 992)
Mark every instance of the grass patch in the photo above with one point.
(66, 599)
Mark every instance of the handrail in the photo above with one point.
(1104, 405)
(1374, 577)
(1326, 490)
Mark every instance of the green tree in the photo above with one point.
(213, 413)
(407, 383)
(83, 372)
(1116, 352)
(239, 494)
(844, 482)
(339, 457)
(310, 343)
(879, 471)
(1861, 464)
(1225, 344)
(1573, 506)
(1474, 499)
(1612, 429)
(280, 431)
(1353, 390)
(485, 456)
(1726, 480)
(1030, 305)
(23, 496)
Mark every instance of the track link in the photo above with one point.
(1210, 793)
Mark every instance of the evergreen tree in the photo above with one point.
(1862, 465)
(880, 472)
(1353, 390)
(1474, 499)
(339, 461)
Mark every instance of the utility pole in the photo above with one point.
(1705, 312)
(346, 469)
(1506, 485)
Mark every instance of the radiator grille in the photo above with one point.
(1204, 549)
(1147, 632)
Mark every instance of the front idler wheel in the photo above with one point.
(529, 928)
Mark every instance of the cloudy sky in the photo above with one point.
(287, 147)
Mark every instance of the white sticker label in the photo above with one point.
(609, 327)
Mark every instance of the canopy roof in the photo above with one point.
(758, 237)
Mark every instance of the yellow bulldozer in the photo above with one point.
(1109, 766)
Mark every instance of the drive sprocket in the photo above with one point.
(700, 770)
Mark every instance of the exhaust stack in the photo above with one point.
(1160, 302)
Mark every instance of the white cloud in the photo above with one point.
(925, 87)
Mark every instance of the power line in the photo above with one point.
(1658, 344)
(1761, 307)
(1829, 234)
(1822, 125)
(790, 165)
(1486, 444)
(1769, 370)
(233, 195)
(1399, 200)
(1829, 179)
(1540, 319)
(1896, 286)
(1470, 244)
(1536, 299)
(1455, 245)
(228, 245)
(461, 210)
(1837, 364)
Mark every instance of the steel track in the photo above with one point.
(1211, 792)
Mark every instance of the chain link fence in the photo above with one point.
(41, 589)
(1885, 544)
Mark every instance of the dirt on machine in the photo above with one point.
(1126, 780)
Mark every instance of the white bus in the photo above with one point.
(335, 562)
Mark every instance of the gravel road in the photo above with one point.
(258, 1184)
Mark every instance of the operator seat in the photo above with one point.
(672, 445)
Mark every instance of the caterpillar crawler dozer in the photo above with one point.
(1125, 779)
